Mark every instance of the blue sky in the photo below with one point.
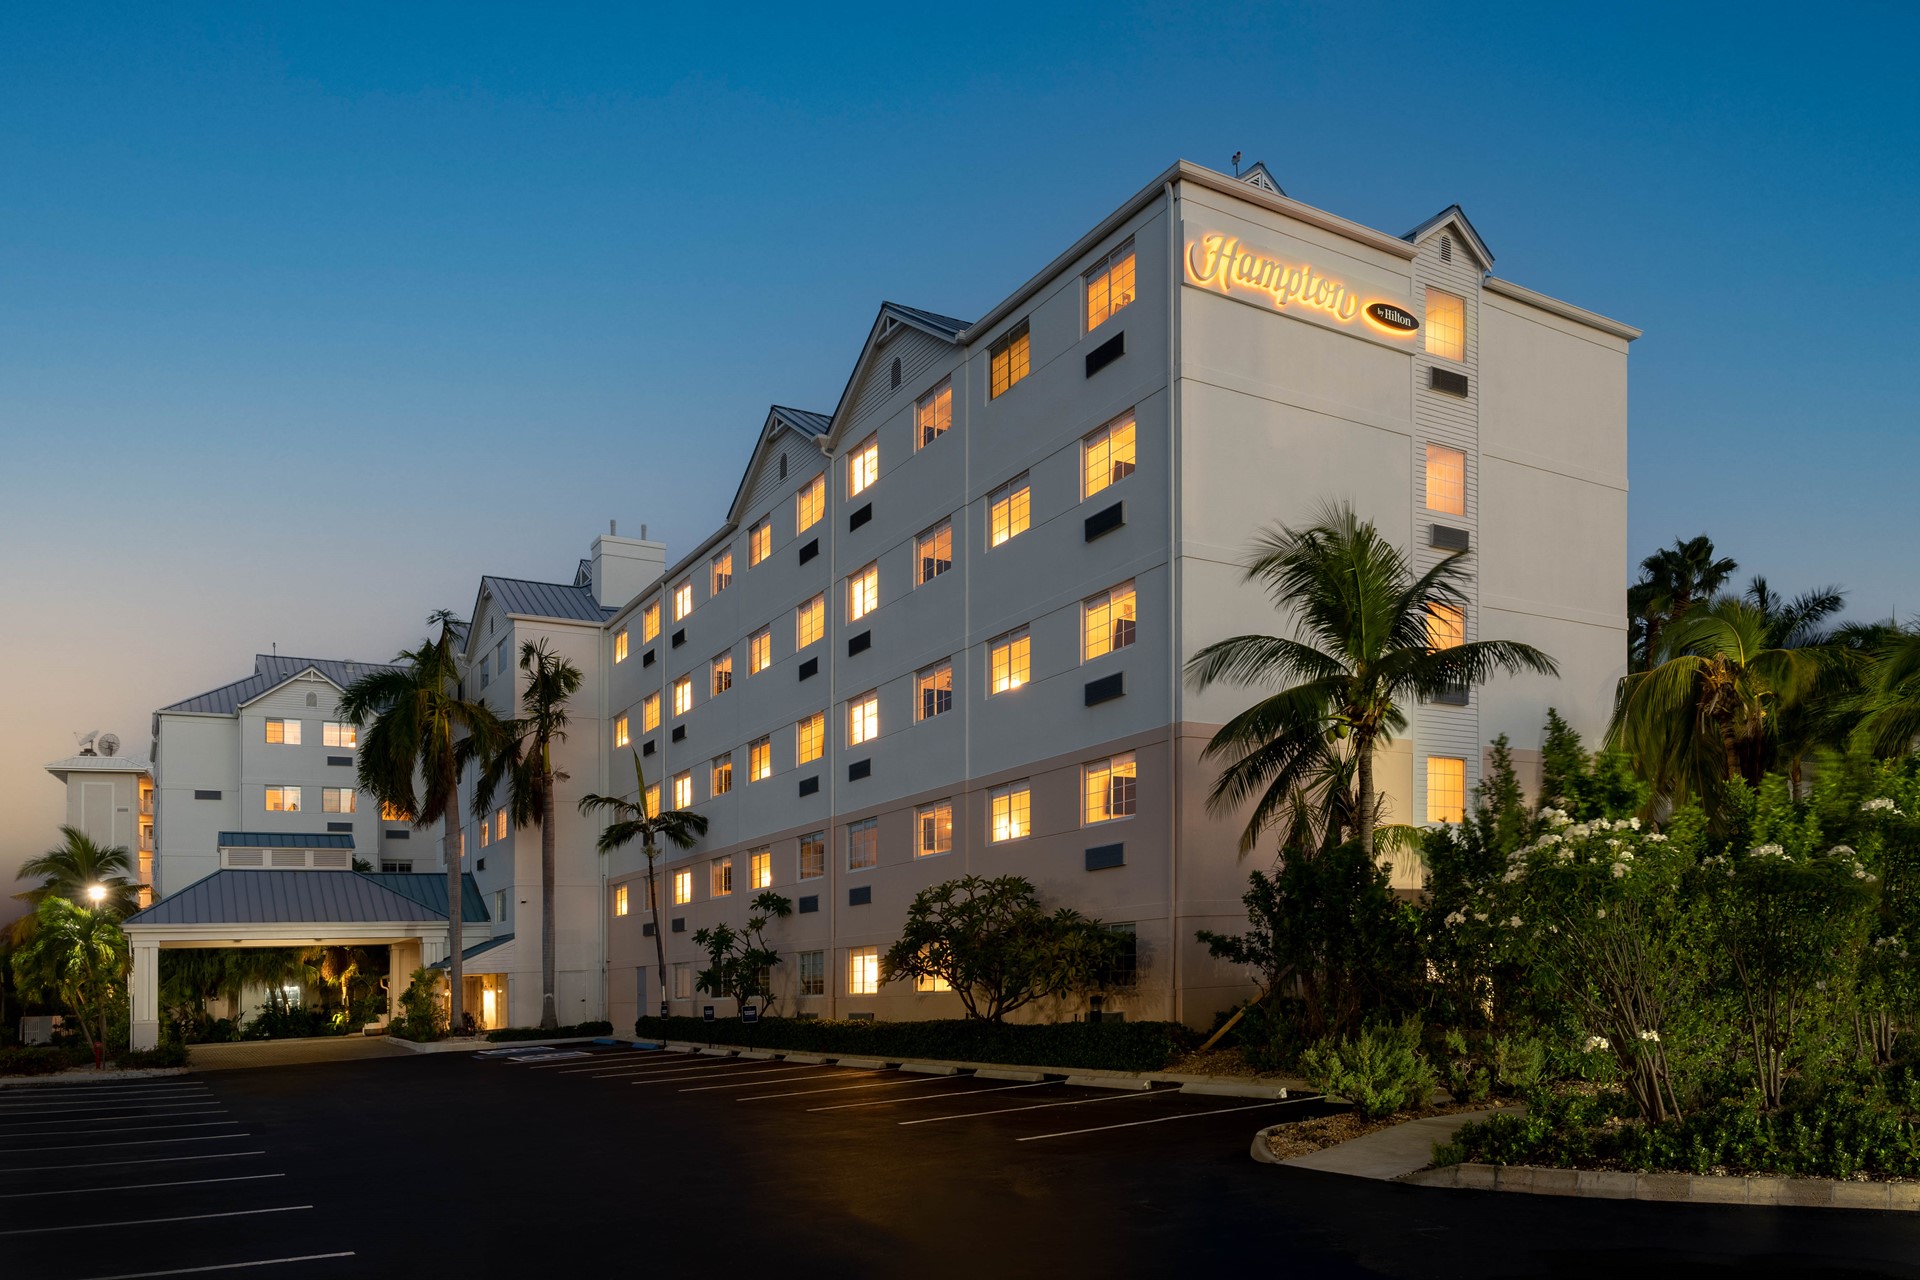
(311, 314)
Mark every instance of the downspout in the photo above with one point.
(831, 737)
(1175, 704)
(603, 752)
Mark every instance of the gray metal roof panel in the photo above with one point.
(478, 949)
(284, 840)
(948, 325)
(813, 424)
(232, 896)
(270, 671)
(429, 888)
(545, 599)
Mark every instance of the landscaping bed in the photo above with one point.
(1099, 1046)
(46, 1060)
(1304, 1137)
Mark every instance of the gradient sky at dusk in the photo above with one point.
(309, 315)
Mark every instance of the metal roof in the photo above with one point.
(1458, 215)
(429, 889)
(475, 950)
(233, 896)
(99, 764)
(270, 671)
(284, 840)
(949, 326)
(545, 599)
(802, 420)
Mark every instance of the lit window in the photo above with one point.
(650, 713)
(1446, 325)
(863, 844)
(650, 622)
(863, 971)
(653, 800)
(620, 735)
(1009, 661)
(863, 593)
(936, 829)
(394, 813)
(934, 414)
(1446, 789)
(336, 799)
(722, 673)
(760, 869)
(486, 833)
(810, 622)
(931, 982)
(1446, 626)
(813, 973)
(760, 651)
(1109, 621)
(813, 855)
(935, 686)
(1109, 454)
(1010, 812)
(683, 790)
(721, 572)
(723, 775)
(500, 824)
(336, 733)
(1446, 480)
(683, 695)
(1009, 509)
(1110, 789)
(863, 718)
(935, 551)
(1110, 284)
(1007, 360)
(810, 505)
(720, 877)
(619, 899)
(683, 973)
(759, 543)
(285, 732)
(863, 467)
(620, 646)
(283, 799)
(760, 760)
(682, 600)
(810, 738)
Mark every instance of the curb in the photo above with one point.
(1009, 1073)
(87, 1075)
(930, 1068)
(1136, 1083)
(1673, 1188)
(1221, 1089)
(1261, 1152)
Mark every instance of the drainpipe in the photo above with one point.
(831, 737)
(1175, 703)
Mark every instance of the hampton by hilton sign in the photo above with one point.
(1227, 264)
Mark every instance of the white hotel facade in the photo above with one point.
(941, 629)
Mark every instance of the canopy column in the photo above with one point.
(143, 992)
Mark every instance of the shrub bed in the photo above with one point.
(172, 1054)
(535, 1033)
(42, 1060)
(1113, 1046)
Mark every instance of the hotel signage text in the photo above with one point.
(1227, 264)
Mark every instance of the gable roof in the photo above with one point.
(1457, 216)
(801, 422)
(892, 318)
(270, 671)
(567, 602)
(232, 896)
(1258, 175)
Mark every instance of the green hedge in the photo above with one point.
(535, 1033)
(172, 1054)
(1115, 1046)
(42, 1060)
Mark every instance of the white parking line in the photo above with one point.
(150, 1115)
(888, 1102)
(1189, 1115)
(68, 1091)
(22, 1099)
(656, 1069)
(138, 1186)
(115, 1164)
(597, 1057)
(150, 1222)
(145, 1142)
(750, 1062)
(226, 1266)
(1038, 1106)
(923, 1080)
(134, 1128)
(839, 1088)
(29, 1113)
(790, 1071)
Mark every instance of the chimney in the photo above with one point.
(624, 567)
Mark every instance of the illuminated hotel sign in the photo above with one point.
(1227, 264)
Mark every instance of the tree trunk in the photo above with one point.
(1364, 783)
(659, 923)
(549, 1006)
(455, 971)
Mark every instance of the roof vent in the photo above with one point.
(1446, 248)
(783, 466)
(896, 373)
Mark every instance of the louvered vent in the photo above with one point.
(332, 860)
(1446, 248)
(896, 373)
(289, 857)
(246, 858)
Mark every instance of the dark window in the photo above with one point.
(334, 760)
(339, 826)
(1106, 688)
(859, 769)
(479, 864)
(206, 795)
(1452, 696)
(1102, 856)
(860, 896)
(402, 834)
(1106, 353)
(810, 904)
(1106, 520)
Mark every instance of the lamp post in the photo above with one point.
(96, 894)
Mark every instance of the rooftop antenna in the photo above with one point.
(1236, 164)
(109, 744)
(613, 529)
(86, 741)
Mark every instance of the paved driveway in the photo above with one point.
(286, 1053)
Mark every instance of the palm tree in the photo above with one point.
(1672, 580)
(633, 820)
(69, 869)
(1888, 706)
(78, 956)
(525, 762)
(1362, 649)
(422, 727)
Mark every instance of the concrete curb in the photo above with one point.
(931, 1068)
(1224, 1089)
(1135, 1083)
(1261, 1151)
(1674, 1188)
(87, 1075)
(1009, 1073)
(870, 1064)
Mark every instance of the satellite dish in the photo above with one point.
(86, 741)
(109, 744)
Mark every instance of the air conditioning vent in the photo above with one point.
(860, 643)
(808, 550)
(859, 769)
(809, 786)
(1106, 520)
(1106, 353)
(646, 748)
(679, 733)
(1103, 856)
(1106, 688)
(1447, 381)
(809, 904)
(860, 896)
(859, 516)
(679, 637)
(809, 669)
(1447, 538)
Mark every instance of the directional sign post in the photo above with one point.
(706, 1015)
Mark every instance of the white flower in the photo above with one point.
(1767, 851)
(1481, 916)
(1654, 837)
(1840, 851)
(1603, 913)
(1454, 919)
(1513, 923)
(1633, 823)
(1650, 1035)
(1881, 804)
(1546, 841)
(1597, 1044)
(1579, 831)
(1619, 869)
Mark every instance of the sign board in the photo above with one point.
(706, 1012)
(749, 1013)
(1288, 275)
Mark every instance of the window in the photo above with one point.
(934, 414)
(336, 799)
(810, 738)
(395, 868)
(1446, 325)
(683, 790)
(620, 735)
(1446, 626)
(1007, 360)
(1010, 812)
(650, 622)
(338, 733)
(1110, 284)
(720, 877)
(935, 551)
(863, 844)
(722, 571)
(1110, 789)
(620, 646)
(1446, 480)
(500, 824)
(760, 651)
(683, 886)
(863, 718)
(500, 905)
(683, 695)
(810, 505)
(619, 899)
(1009, 661)
(936, 829)
(1109, 621)
(1108, 454)
(722, 775)
(760, 869)
(759, 760)
(863, 971)
(1009, 509)
(935, 685)
(283, 799)
(813, 855)
(683, 982)
(486, 673)
(722, 673)
(486, 833)
(810, 622)
(285, 732)
(682, 600)
(500, 656)
(394, 813)
(653, 799)
(863, 466)
(931, 982)
(759, 542)
(1446, 789)
(650, 713)
(813, 973)
(863, 592)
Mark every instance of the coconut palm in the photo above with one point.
(420, 733)
(1672, 580)
(525, 762)
(635, 820)
(78, 956)
(1361, 652)
(1887, 709)
(72, 867)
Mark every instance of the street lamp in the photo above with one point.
(96, 894)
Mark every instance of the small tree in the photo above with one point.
(79, 957)
(999, 949)
(739, 961)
